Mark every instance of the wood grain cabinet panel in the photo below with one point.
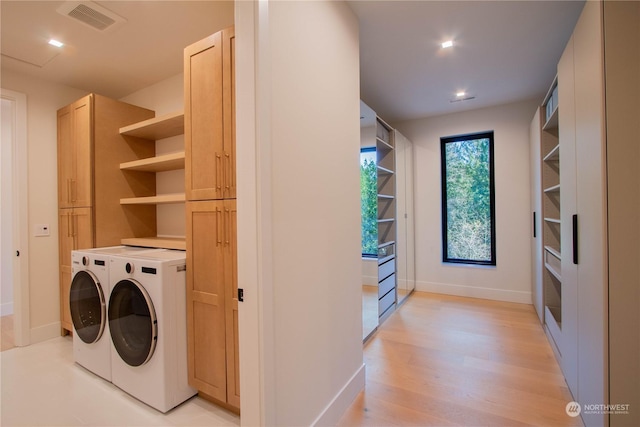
(210, 187)
(74, 153)
(210, 118)
(211, 301)
(75, 232)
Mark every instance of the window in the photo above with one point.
(468, 200)
(369, 201)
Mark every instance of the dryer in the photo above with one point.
(148, 327)
(88, 297)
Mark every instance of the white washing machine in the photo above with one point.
(148, 327)
(88, 296)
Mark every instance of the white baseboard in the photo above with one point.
(45, 332)
(370, 280)
(339, 404)
(476, 292)
(6, 309)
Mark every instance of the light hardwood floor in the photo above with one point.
(444, 360)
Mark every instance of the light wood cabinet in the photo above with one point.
(90, 183)
(210, 187)
(75, 141)
(75, 232)
(210, 118)
(212, 303)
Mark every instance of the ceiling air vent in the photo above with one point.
(468, 98)
(91, 14)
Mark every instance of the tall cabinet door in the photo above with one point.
(75, 232)
(591, 208)
(205, 297)
(231, 302)
(229, 98)
(75, 141)
(203, 115)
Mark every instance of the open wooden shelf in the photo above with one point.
(552, 189)
(165, 162)
(157, 242)
(554, 154)
(553, 271)
(159, 127)
(552, 123)
(154, 200)
(384, 171)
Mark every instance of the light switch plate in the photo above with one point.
(41, 230)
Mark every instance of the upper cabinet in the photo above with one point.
(210, 118)
(75, 141)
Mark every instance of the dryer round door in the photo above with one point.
(132, 322)
(88, 307)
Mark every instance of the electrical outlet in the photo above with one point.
(41, 230)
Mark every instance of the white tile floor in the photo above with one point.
(42, 386)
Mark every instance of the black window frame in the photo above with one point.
(443, 165)
(367, 150)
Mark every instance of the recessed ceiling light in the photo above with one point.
(55, 43)
(447, 44)
(460, 94)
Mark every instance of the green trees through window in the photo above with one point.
(468, 202)
(369, 201)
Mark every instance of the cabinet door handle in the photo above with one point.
(74, 190)
(575, 238)
(68, 190)
(218, 231)
(74, 226)
(534, 224)
(69, 225)
(218, 171)
(227, 226)
(227, 171)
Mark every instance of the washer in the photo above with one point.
(88, 295)
(148, 327)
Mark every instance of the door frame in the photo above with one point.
(19, 195)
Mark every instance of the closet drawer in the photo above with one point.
(386, 285)
(387, 269)
(386, 301)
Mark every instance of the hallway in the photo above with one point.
(445, 360)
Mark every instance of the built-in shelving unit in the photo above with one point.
(551, 236)
(160, 127)
(163, 163)
(386, 179)
(154, 200)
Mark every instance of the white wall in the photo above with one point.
(6, 211)
(43, 100)
(166, 97)
(510, 280)
(299, 212)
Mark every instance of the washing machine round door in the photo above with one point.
(88, 308)
(132, 322)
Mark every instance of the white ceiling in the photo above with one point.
(147, 49)
(505, 50)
